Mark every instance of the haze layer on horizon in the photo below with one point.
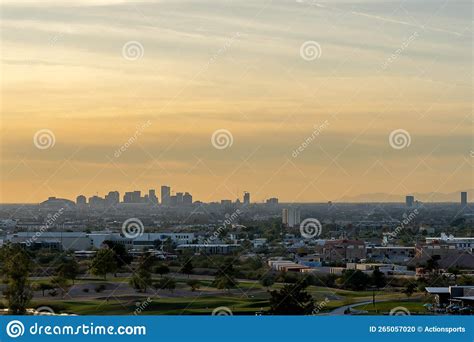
(308, 94)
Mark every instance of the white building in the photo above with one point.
(291, 217)
(85, 241)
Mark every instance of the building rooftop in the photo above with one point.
(437, 289)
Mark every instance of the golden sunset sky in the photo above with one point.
(239, 66)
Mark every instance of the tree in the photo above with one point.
(378, 279)
(165, 283)
(121, 255)
(292, 299)
(187, 268)
(162, 269)
(432, 264)
(354, 280)
(224, 282)
(61, 283)
(194, 284)
(68, 269)
(16, 268)
(104, 262)
(267, 280)
(225, 277)
(141, 278)
(410, 289)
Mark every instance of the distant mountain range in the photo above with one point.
(423, 197)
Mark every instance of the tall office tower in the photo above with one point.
(187, 198)
(246, 198)
(294, 217)
(173, 201)
(96, 201)
(464, 198)
(179, 198)
(127, 197)
(291, 217)
(272, 200)
(165, 195)
(81, 200)
(284, 217)
(136, 196)
(152, 196)
(410, 201)
(112, 198)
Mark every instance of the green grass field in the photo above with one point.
(386, 307)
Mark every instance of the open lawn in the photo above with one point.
(413, 307)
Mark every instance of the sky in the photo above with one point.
(307, 101)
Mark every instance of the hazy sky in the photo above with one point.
(125, 121)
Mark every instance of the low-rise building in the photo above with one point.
(343, 250)
(208, 248)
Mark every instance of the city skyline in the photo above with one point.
(149, 196)
(305, 97)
